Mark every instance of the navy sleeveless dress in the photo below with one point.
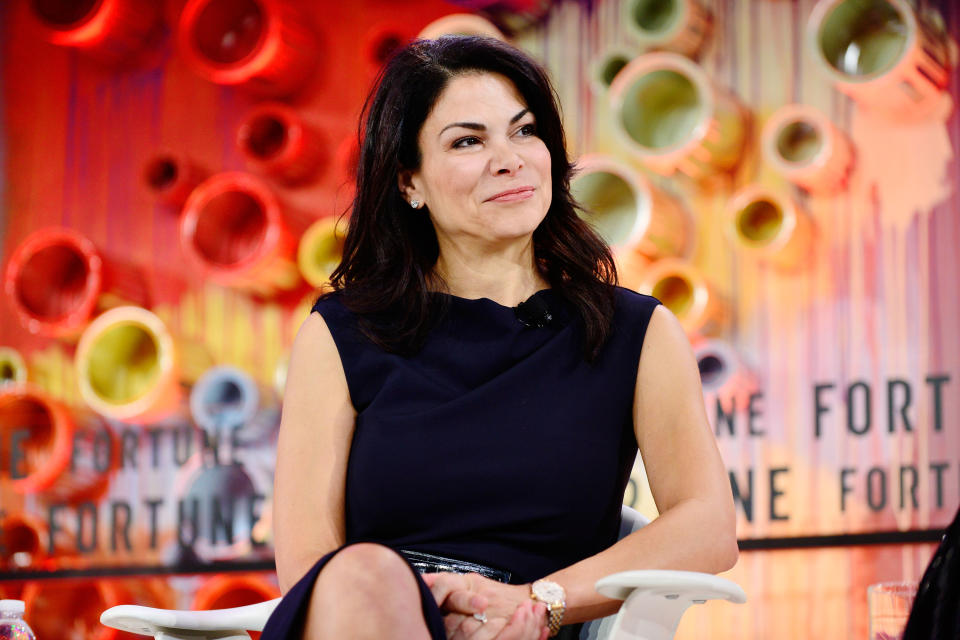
(497, 443)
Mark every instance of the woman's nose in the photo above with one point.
(505, 159)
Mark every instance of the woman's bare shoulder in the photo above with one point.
(314, 358)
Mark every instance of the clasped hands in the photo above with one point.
(510, 612)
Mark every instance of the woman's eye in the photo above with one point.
(465, 142)
(528, 130)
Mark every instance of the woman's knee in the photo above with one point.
(362, 591)
(365, 566)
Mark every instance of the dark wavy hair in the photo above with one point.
(386, 275)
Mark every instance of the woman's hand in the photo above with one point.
(526, 623)
(509, 611)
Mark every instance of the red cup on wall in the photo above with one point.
(171, 177)
(346, 159)
(226, 592)
(54, 606)
(233, 231)
(261, 45)
(41, 430)
(23, 541)
(109, 30)
(44, 432)
(275, 140)
(56, 280)
(383, 40)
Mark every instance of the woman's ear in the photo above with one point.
(407, 182)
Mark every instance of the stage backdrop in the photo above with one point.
(830, 368)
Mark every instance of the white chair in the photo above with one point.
(653, 603)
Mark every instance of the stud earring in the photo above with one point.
(415, 204)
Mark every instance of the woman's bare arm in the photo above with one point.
(314, 443)
(696, 529)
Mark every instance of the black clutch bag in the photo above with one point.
(430, 563)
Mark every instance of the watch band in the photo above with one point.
(554, 617)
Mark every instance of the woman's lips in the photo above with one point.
(513, 195)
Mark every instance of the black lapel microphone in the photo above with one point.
(534, 312)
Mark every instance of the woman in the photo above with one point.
(472, 394)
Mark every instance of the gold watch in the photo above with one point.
(552, 595)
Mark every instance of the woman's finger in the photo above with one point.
(473, 629)
(451, 622)
(443, 584)
(540, 621)
(525, 624)
(465, 602)
(518, 627)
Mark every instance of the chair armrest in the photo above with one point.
(170, 623)
(654, 600)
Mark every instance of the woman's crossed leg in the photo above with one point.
(365, 591)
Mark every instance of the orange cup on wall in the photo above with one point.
(464, 24)
(627, 210)
(681, 26)
(684, 289)
(884, 54)
(770, 226)
(805, 147)
(675, 119)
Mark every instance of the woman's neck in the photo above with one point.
(505, 279)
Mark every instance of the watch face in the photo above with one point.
(547, 591)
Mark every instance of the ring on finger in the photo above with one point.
(482, 617)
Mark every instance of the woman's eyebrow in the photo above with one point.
(476, 126)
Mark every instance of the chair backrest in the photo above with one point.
(631, 520)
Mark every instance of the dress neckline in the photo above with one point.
(491, 301)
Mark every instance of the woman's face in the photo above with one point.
(484, 173)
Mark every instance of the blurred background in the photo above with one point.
(781, 173)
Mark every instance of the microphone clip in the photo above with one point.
(534, 312)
